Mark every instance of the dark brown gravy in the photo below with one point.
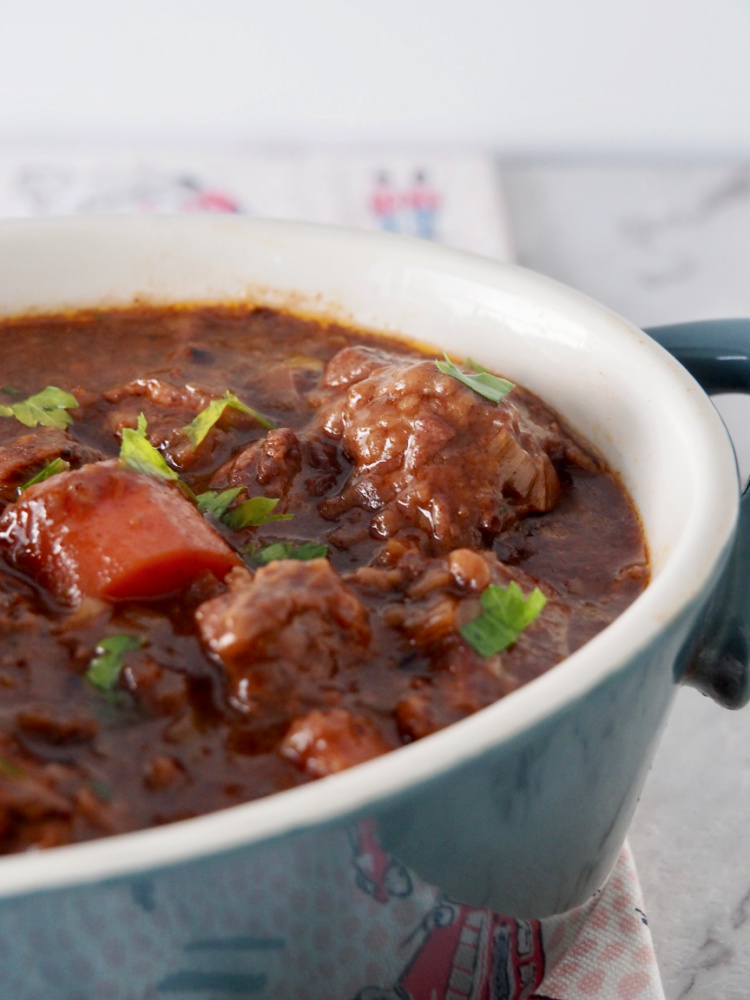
(423, 493)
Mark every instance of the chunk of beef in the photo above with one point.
(55, 725)
(324, 742)
(352, 364)
(163, 394)
(294, 469)
(45, 805)
(553, 437)
(159, 690)
(168, 409)
(33, 811)
(269, 464)
(288, 380)
(23, 458)
(431, 453)
(292, 620)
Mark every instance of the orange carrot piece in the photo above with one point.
(102, 531)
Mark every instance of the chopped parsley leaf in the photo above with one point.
(218, 504)
(9, 769)
(137, 453)
(505, 614)
(51, 469)
(105, 669)
(490, 386)
(199, 427)
(102, 790)
(48, 408)
(253, 512)
(287, 550)
(250, 514)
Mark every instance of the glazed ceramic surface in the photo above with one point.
(522, 808)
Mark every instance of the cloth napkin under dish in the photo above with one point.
(603, 950)
(434, 949)
(417, 944)
(408, 941)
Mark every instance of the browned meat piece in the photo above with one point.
(168, 409)
(323, 742)
(552, 435)
(325, 458)
(270, 464)
(164, 394)
(28, 454)
(161, 691)
(431, 453)
(352, 364)
(445, 700)
(32, 810)
(29, 796)
(290, 621)
(56, 725)
(162, 771)
(287, 382)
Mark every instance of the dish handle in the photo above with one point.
(717, 354)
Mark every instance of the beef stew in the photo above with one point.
(242, 549)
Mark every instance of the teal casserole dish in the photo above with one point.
(522, 808)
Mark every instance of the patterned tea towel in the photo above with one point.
(407, 940)
(453, 198)
(417, 944)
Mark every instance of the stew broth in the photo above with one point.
(168, 647)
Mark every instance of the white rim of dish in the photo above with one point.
(679, 584)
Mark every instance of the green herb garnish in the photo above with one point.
(217, 503)
(199, 427)
(48, 407)
(51, 469)
(490, 386)
(9, 769)
(106, 667)
(102, 790)
(137, 453)
(252, 513)
(287, 550)
(505, 614)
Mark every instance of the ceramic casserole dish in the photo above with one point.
(523, 807)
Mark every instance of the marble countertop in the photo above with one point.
(664, 244)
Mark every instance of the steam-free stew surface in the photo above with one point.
(167, 648)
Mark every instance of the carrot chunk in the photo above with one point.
(102, 531)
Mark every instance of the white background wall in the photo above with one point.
(518, 76)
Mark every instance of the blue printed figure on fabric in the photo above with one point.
(234, 972)
(424, 202)
(412, 208)
(384, 203)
